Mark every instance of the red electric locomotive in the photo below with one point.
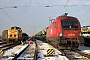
(65, 33)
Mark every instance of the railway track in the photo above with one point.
(59, 54)
(2, 42)
(29, 53)
(14, 52)
(76, 55)
(83, 54)
(39, 51)
(6, 47)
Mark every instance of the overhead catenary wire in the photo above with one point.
(85, 18)
(84, 9)
(82, 14)
(2, 19)
(66, 4)
(49, 6)
(78, 5)
(30, 5)
(9, 16)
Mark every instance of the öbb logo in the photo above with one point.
(71, 34)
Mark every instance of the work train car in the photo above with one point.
(41, 35)
(13, 35)
(65, 33)
(86, 34)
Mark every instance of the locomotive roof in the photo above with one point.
(15, 27)
(65, 16)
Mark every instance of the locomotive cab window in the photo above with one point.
(14, 35)
(10, 35)
(12, 27)
(18, 28)
(69, 24)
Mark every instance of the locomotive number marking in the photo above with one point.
(51, 31)
(71, 34)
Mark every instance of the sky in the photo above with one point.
(33, 15)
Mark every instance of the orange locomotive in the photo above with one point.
(65, 33)
(13, 35)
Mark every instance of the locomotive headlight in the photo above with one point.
(60, 34)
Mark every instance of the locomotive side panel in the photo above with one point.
(19, 34)
(52, 30)
(52, 34)
(5, 35)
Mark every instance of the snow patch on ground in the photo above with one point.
(28, 54)
(42, 52)
(85, 50)
(14, 51)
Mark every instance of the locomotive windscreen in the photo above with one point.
(69, 24)
(12, 27)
